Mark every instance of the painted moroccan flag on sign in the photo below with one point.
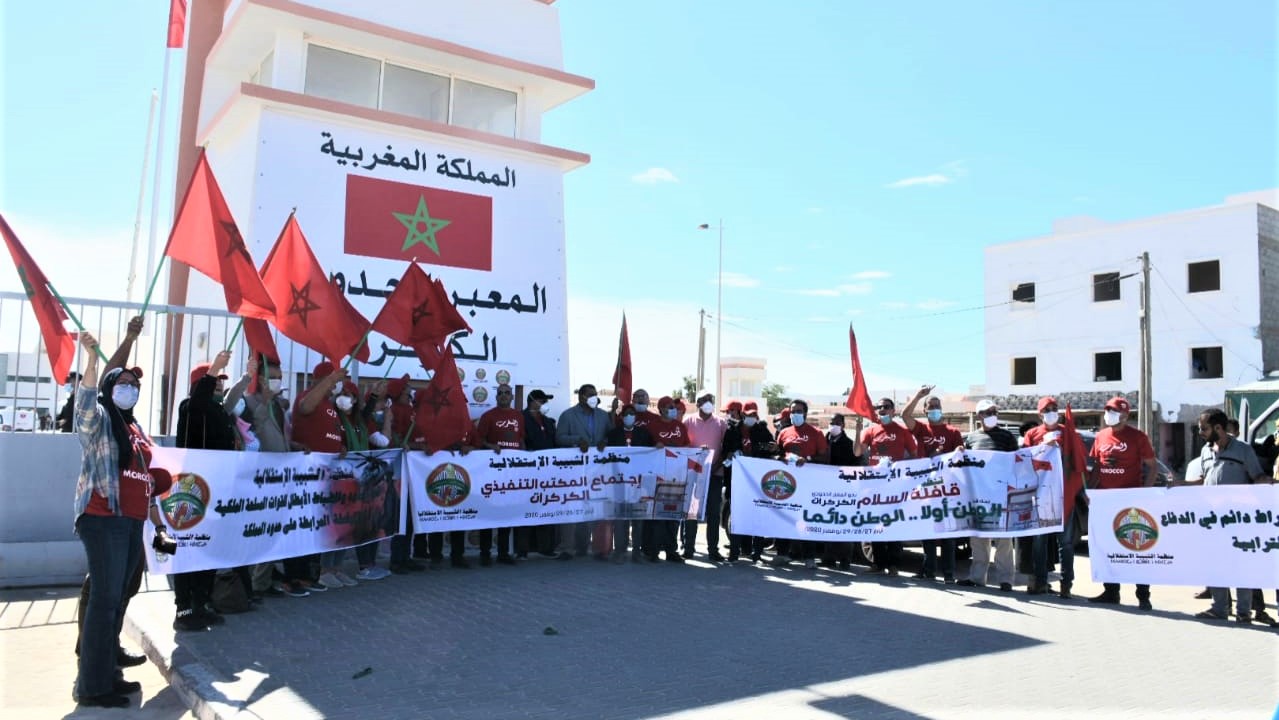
(399, 221)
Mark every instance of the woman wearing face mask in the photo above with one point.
(113, 498)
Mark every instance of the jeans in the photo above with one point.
(113, 547)
(1066, 550)
(1004, 563)
(1221, 601)
(1039, 558)
(714, 501)
(947, 557)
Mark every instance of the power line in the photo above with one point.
(1202, 324)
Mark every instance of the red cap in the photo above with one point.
(1045, 401)
(198, 372)
(322, 370)
(1118, 402)
(734, 405)
(681, 407)
(750, 408)
(664, 402)
(784, 414)
(395, 387)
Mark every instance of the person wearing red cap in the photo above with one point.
(501, 428)
(628, 433)
(800, 443)
(316, 427)
(934, 437)
(400, 406)
(667, 429)
(1122, 458)
(114, 496)
(1051, 431)
(749, 438)
(886, 440)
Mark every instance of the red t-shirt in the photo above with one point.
(937, 439)
(136, 485)
(892, 441)
(321, 431)
(1118, 453)
(401, 419)
(667, 432)
(805, 441)
(1035, 435)
(646, 418)
(503, 427)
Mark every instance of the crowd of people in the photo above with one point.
(117, 485)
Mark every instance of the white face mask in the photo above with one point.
(796, 419)
(344, 403)
(750, 420)
(1112, 418)
(68, 388)
(706, 408)
(836, 430)
(642, 407)
(274, 384)
(593, 401)
(238, 410)
(990, 421)
(1050, 418)
(124, 396)
(337, 390)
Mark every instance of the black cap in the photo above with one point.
(539, 396)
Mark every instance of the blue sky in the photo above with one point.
(860, 154)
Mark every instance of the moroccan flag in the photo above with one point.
(310, 309)
(858, 397)
(257, 334)
(205, 237)
(622, 373)
(177, 22)
(1074, 462)
(418, 311)
(59, 343)
(399, 221)
(442, 419)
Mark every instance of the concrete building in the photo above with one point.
(1064, 312)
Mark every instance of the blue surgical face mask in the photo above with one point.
(628, 421)
(642, 407)
(934, 416)
(124, 396)
(670, 413)
(796, 419)
(379, 417)
(885, 418)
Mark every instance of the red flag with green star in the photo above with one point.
(309, 308)
(399, 221)
(59, 343)
(418, 311)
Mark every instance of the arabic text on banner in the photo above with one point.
(485, 489)
(966, 493)
(1221, 536)
(228, 509)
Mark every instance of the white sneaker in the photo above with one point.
(330, 581)
(371, 573)
(345, 579)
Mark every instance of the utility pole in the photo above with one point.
(1145, 406)
(701, 349)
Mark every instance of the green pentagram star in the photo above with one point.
(415, 223)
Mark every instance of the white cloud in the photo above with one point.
(655, 175)
(950, 172)
(736, 280)
(871, 275)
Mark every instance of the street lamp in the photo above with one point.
(719, 311)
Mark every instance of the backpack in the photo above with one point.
(229, 594)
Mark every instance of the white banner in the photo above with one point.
(228, 509)
(484, 489)
(966, 493)
(1220, 536)
(517, 308)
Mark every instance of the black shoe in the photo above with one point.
(1264, 618)
(1038, 588)
(734, 556)
(397, 569)
(521, 555)
(549, 554)
(413, 566)
(1203, 594)
(189, 621)
(715, 557)
(925, 576)
(107, 700)
(674, 557)
(755, 558)
(845, 565)
(1006, 587)
(124, 658)
(1105, 599)
(966, 583)
(1144, 604)
(460, 563)
(564, 556)
(486, 561)
(1243, 619)
(688, 554)
(948, 579)
(210, 616)
(1064, 594)
(505, 560)
(126, 687)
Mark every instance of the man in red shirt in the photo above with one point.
(500, 428)
(643, 416)
(934, 437)
(886, 440)
(1122, 458)
(800, 443)
(1052, 432)
(316, 426)
(667, 429)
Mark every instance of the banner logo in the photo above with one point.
(186, 502)
(1136, 529)
(778, 484)
(448, 485)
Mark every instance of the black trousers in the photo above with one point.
(192, 590)
(457, 544)
(887, 554)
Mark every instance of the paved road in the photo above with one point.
(586, 639)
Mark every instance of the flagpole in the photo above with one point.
(73, 317)
(235, 335)
(351, 358)
(142, 193)
(155, 182)
(391, 364)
